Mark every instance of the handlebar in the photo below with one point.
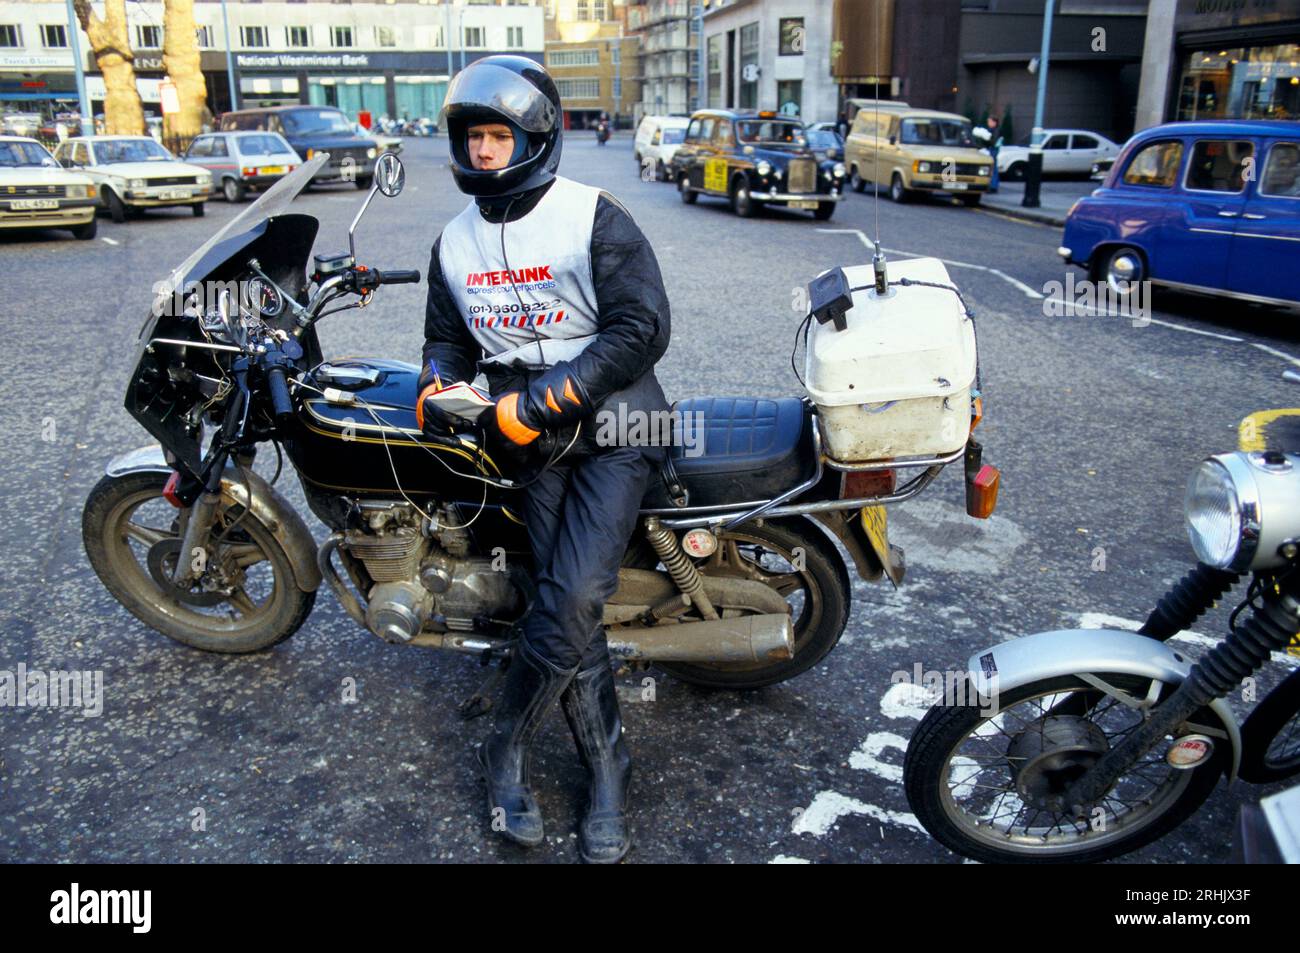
(280, 400)
(403, 277)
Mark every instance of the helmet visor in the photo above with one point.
(504, 92)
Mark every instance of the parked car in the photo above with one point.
(657, 140)
(1065, 152)
(240, 161)
(920, 150)
(1210, 207)
(134, 173)
(310, 130)
(36, 193)
(385, 143)
(755, 159)
(824, 138)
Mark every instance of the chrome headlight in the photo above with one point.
(1227, 498)
(371, 153)
(763, 168)
(205, 178)
(138, 183)
(984, 170)
(838, 169)
(78, 191)
(923, 167)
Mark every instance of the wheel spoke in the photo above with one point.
(245, 555)
(146, 534)
(240, 600)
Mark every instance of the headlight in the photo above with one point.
(763, 168)
(205, 179)
(78, 191)
(1214, 515)
(138, 183)
(923, 167)
(1227, 499)
(370, 153)
(838, 169)
(984, 170)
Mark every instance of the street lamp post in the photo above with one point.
(230, 57)
(83, 100)
(1034, 177)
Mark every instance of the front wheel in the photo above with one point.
(897, 192)
(824, 211)
(856, 181)
(741, 201)
(116, 207)
(980, 773)
(84, 233)
(1271, 735)
(233, 190)
(684, 189)
(244, 598)
(199, 210)
(795, 558)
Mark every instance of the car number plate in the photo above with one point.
(271, 170)
(29, 205)
(802, 204)
(957, 186)
(174, 194)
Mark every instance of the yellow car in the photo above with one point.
(910, 151)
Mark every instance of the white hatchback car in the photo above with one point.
(1065, 152)
(135, 172)
(657, 140)
(36, 193)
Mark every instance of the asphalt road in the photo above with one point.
(1095, 424)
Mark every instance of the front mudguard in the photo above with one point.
(1045, 655)
(268, 507)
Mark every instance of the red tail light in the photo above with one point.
(169, 490)
(982, 492)
(863, 483)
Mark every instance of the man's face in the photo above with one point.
(490, 146)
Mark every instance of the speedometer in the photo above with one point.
(263, 298)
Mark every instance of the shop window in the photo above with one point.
(789, 97)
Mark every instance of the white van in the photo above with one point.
(657, 140)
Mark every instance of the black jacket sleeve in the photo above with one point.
(633, 320)
(448, 342)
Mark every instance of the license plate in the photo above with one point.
(166, 194)
(957, 186)
(271, 170)
(31, 205)
(803, 204)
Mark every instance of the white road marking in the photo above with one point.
(905, 700)
(1208, 334)
(783, 859)
(1277, 353)
(867, 757)
(1103, 620)
(829, 806)
(1014, 282)
(109, 241)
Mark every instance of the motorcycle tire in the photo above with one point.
(108, 546)
(946, 727)
(1276, 717)
(818, 622)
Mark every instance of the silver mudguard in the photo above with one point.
(1079, 651)
(268, 507)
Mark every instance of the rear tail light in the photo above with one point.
(865, 483)
(249, 171)
(169, 490)
(982, 482)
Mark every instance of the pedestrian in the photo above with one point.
(583, 320)
(994, 147)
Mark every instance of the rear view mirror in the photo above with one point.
(390, 175)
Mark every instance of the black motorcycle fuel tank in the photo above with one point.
(370, 448)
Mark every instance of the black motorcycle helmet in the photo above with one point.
(516, 91)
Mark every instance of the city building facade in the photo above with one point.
(669, 33)
(594, 60)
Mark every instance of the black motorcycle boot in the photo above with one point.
(591, 708)
(532, 685)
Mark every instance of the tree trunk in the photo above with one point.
(123, 111)
(181, 60)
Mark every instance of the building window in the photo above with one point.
(341, 36)
(1256, 82)
(584, 10)
(598, 10)
(789, 97)
(579, 88)
(585, 57)
(474, 37)
(203, 34)
(148, 36)
(11, 35)
(253, 37)
(385, 36)
(792, 36)
(749, 66)
(54, 36)
(514, 38)
(715, 70)
(297, 36)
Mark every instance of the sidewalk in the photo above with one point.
(1056, 196)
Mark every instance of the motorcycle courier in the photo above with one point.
(732, 579)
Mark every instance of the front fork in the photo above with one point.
(1245, 650)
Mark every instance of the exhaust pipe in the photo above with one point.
(748, 638)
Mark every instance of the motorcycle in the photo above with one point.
(733, 579)
(602, 132)
(1083, 745)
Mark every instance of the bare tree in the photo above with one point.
(181, 60)
(123, 111)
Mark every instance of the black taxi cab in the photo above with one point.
(753, 159)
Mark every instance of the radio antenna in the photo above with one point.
(878, 258)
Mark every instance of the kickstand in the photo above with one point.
(480, 703)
